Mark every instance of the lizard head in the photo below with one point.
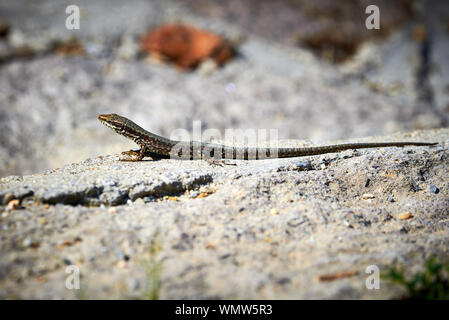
(113, 121)
(120, 124)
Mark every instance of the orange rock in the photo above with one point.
(404, 216)
(202, 195)
(65, 244)
(186, 46)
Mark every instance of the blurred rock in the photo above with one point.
(186, 46)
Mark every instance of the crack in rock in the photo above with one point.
(82, 187)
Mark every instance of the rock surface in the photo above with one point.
(255, 230)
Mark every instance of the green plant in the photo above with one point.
(153, 268)
(431, 284)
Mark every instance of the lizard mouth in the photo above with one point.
(105, 119)
(119, 125)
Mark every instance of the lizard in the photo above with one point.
(157, 147)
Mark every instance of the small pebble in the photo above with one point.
(367, 183)
(119, 254)
(304, 165)
(201, 195)
(296, 222)
(283, 281)
(367, 196)
(274, 212)
(230, 87)
(194, 194)
(390, 199)
(434, 189)
(112, 210)
(27, 242)
(403, 230)
(404, 216)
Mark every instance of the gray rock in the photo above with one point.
(202, 232)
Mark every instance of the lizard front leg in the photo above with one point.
(133, 155)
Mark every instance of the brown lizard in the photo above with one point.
(152, 145)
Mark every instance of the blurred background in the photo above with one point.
(310, 69)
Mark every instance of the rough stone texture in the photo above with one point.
(259, 229)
